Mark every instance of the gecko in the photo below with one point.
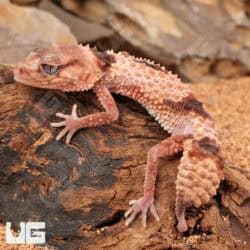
(71, 68)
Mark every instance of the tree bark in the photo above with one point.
(82, 190)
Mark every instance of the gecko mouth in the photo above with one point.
(23, 75)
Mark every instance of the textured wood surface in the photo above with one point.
(82, 190)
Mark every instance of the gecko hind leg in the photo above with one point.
(167, 147)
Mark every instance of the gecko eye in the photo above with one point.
(50, 69)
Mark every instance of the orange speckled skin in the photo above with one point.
(79, 68)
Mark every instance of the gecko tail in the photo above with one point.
(180, 214)
(199, 175)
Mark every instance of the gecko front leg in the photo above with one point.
(168, 147)
(73, 123)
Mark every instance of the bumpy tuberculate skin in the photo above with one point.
(167, 99)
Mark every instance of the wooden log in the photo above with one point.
(82, 190)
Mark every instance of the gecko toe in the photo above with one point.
(61, 115)
(74, 113)
(154, 212)
(57, 124)
(140, 206)
(132, 202)
(71, 124)
(62, 133)
(144, 217)
(69, 135)
(128, 212)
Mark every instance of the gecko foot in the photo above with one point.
(71, 124)
(142, 205)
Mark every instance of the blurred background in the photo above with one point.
(201, 40)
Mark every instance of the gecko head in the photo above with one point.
(66, 68)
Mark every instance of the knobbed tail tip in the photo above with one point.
(182, 226)
(180, 215)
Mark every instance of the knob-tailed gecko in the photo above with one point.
(166, 98)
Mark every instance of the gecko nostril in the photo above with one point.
(22, 70)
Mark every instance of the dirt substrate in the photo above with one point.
(229, 103)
